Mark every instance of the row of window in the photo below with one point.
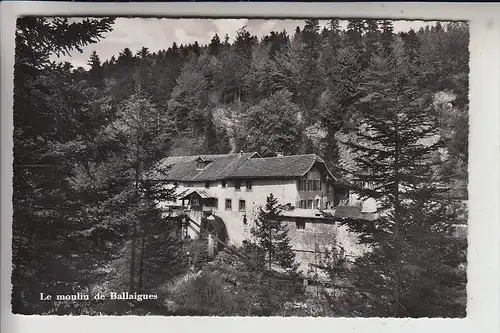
(241, 205)
(237, 185)
(312, 185)
(309, 204)
(363, 184)
(228, 205)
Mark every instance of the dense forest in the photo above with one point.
(84, 213)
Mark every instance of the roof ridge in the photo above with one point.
(199, 155)
(298, 155)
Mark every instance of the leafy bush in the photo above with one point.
(204, 294)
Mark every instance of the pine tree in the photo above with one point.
(387, 33)
(355, 29)
(272, 237)
(214, 46)
(411, 43)
(96, 72)
(125, 79)
(244, 42)
(395, 152)
(161, 254)
(139, 139)
(276, 41)
(44, 205)
(309, 69)
(372, 41)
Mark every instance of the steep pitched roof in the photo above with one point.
(231, 166)
(272, 167)
(183, 168)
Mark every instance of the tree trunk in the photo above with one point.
(396, 226)
(141, 265)
(134, 224)
(132, 257)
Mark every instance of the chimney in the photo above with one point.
(279, 154)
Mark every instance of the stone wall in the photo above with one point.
(310, 243)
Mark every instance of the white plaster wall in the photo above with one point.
(285, 190)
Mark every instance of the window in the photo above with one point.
(300, 224)
(317, 185)
(224, 184)
(313, 185)
(229, 204)
(201, 163)
(237, 185)
(359, 183)
(309, 204)
(207, 184)
(317, 206)
(242, 205)
(195, 201)
(302, 204)
(302, 184)
(249, 185)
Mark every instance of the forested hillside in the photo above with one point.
(284, 93)
(83, 139)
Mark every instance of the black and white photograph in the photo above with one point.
(240, 167)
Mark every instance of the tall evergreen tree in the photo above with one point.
(412, 43)
(161, 254)
(44, 205)
(272, 237)
(355, 29)
(395, 155)
(372, 41)
(140, 138)
(277, 41)
(387, 28)
(96, 72)
(214, 46)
